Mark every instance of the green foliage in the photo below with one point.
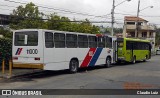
(5, 50)
(116, 30)
(27, 17)
(56, 22)
(6, 33)
(30, 17)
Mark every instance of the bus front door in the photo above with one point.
(131, 52)
(129, 49)
(115, 52)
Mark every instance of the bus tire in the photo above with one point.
(134, 60)
(108, 62)
(73, 66)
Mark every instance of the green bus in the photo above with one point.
(132, 50)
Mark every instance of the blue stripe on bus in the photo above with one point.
(17, 51)
(95, 57)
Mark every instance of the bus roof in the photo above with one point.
(57, 31)
(134, 39)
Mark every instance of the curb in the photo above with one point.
(17, 73)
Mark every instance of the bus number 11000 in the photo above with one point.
(32, 51)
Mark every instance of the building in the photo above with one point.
(145, 30)
(4, 19)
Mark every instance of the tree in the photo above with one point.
(116, 30)
(5, 32)
(27, 17)
(95, 29)
(56, 22)
(30, 17)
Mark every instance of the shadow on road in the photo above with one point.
(45, 74)
(31, 76)
(129, 64)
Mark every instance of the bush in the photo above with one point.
(5, 50)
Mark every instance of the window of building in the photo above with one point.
(130, 23)
(150, 34)
(144, 34)
(132, 34)
(140, 23)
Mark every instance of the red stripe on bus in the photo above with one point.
(88, 57)
(20, 51)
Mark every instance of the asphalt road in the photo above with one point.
(142, 75)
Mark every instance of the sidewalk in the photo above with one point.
(17, 72)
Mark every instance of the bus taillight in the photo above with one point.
(37, 59)
(15, 58)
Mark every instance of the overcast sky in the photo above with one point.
(92, 7)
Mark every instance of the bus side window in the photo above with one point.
(49, 40)
(135, 46)
(82, 41)
(59, 40)
(128, 45)
(71, 40)
(92, 41)
(108, 42)
(101, 41)
(146, 46)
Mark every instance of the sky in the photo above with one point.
(94, 10)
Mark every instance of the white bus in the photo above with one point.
(58, 50)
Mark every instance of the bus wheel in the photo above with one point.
(108, 62)
(134, 60)
(73, 66)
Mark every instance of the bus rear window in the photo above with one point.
(29, 38)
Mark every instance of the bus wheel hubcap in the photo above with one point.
(73, 65)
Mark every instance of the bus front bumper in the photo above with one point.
(121, 59)
(28, 65)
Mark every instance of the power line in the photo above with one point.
(5, 9)
(126, 11)
(48, 15)
(67, 11)
(140, 15)
(32, 18)
(7, 5)
(124, 14)
(63, 10)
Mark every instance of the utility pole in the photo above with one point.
(137, 25)
(112, 12)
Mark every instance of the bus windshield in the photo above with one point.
(120, 44)
(29, 38)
